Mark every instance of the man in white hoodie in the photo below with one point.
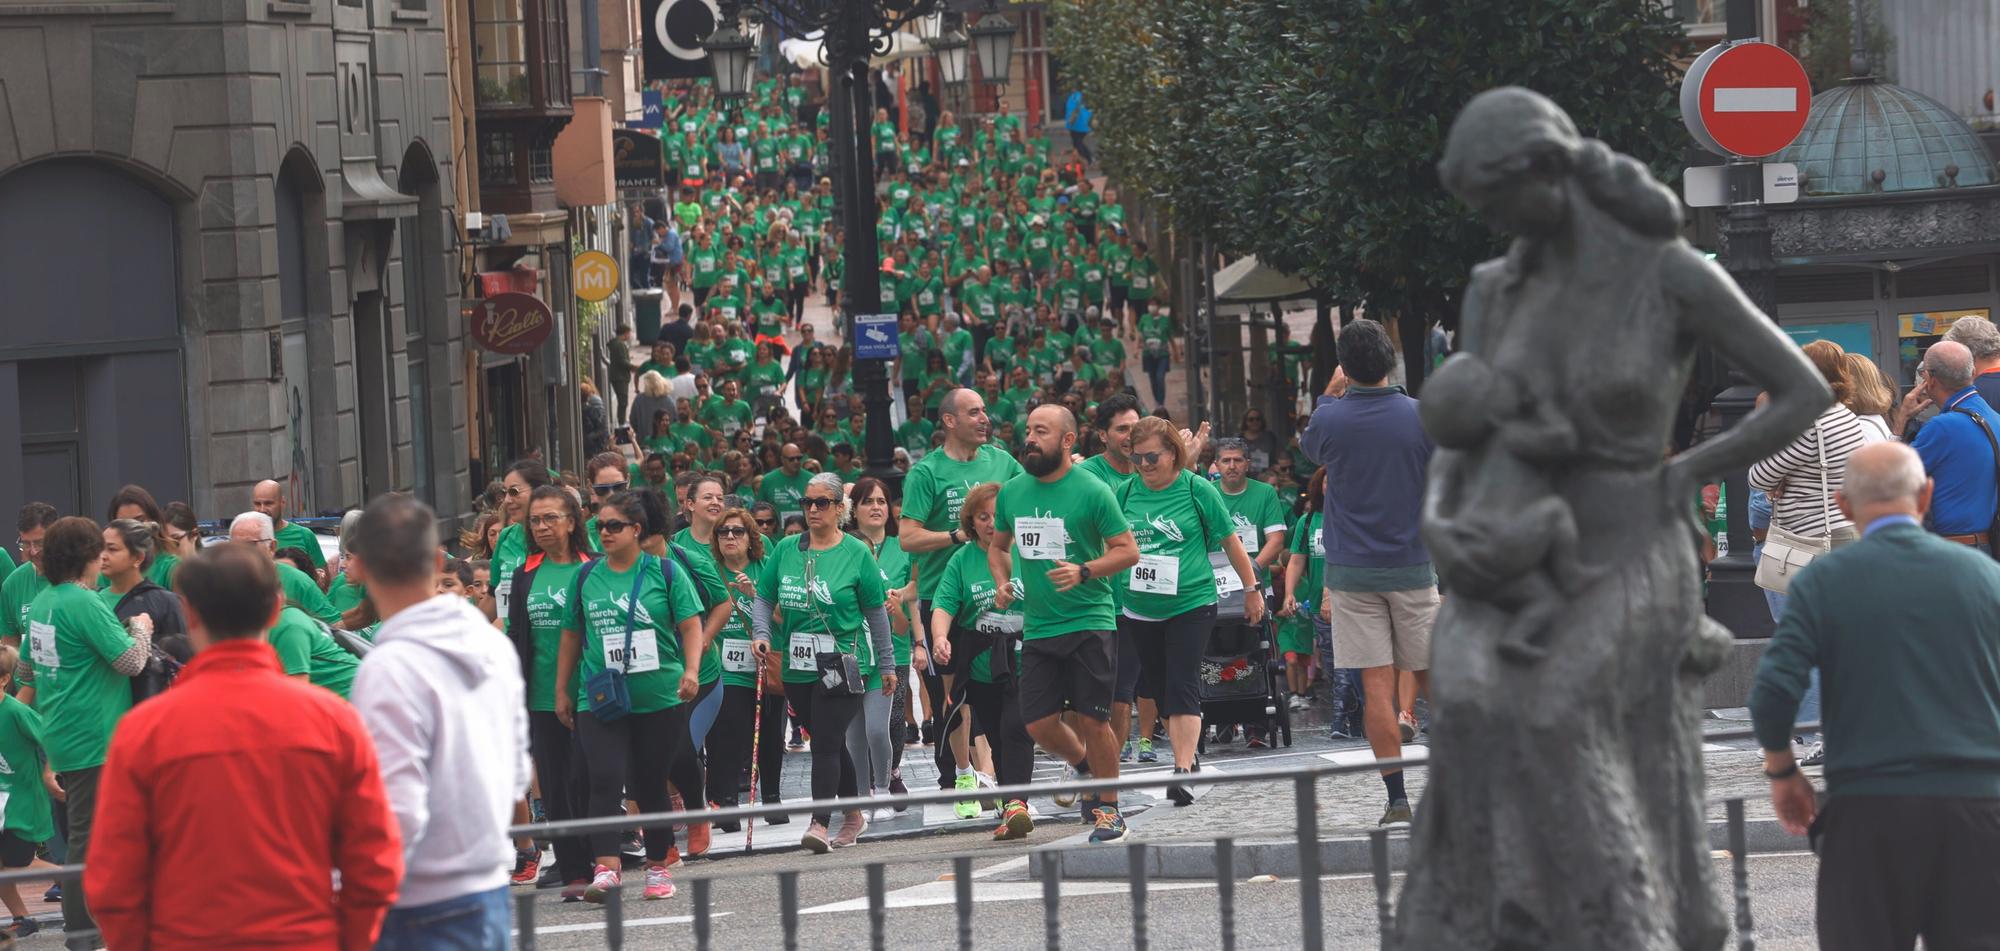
(441, 693)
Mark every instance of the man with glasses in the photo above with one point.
(268, 497)
(305, 649)
(254, 529)
(1253, 506)
(25, 581)
(785, 488)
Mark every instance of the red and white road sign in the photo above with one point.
(1749, 99)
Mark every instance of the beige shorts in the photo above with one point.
(1384, 628)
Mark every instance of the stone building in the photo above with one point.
(228, 253)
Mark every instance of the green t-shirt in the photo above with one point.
(302, 592)
(343, 596)
(6, 564)
(767, 379)
(304, 647)
(956, 346)
(72, 639)
(784, 492)
(935, 490)
(845, 583)
(730, 416)
(1309, 540)
(1175, 528)
(598, 609)
(1253, 513)
(895, 565)
(548, 611)
(28, 815)
(20, 588)
(1141, 274)
(294, 535)
(509, 553)
(161, 571)
(700, 561)
(915, 435)
(966, 593)
(739, 661)
(1067, 519)
(1156, 331)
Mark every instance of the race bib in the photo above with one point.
(728, 313)
(736, 656)
(802, 656)
(1040, 539)
(42, 646)
(1141, 282)
(998, 622)
(797, 271)
(1247, 534)
(1226, 581)
(645, 652)
(1157, 574)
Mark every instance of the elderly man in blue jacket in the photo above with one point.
(1385, 597)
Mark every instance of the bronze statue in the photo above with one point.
(1565, 801)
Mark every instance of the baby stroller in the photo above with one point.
(1240, 677)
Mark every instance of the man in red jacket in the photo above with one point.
(272, 783)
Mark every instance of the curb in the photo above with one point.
(1340, 855)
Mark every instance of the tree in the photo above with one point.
(1307, 131)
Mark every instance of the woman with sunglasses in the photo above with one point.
(739, 553)
(538, 610)
(764, 515)
(1170, 595)
(629, 590)
(511, 548)
(877, 757)
(831, 599)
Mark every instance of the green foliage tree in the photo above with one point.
(1307, 131)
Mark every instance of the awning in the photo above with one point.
(1248, 281)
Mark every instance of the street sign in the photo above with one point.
(653, 109)
(594, 276)
(876, 337)
(1707, 186)
(512, 323)
(1749, 99)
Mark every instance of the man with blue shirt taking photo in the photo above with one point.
(1957, 445)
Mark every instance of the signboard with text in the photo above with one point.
(511, 323)
(636, 159)
(876, 337)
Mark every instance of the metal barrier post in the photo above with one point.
(524, 920)
(701, 916)
(788, 908)
(1311, 926)
(1746, 933)
(878, 918)
(961, 880)
(614, 918)
(1225, 889)
(1052, 863)
(1378, 853)
(1135, 859)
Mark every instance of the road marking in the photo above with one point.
(1756, 99)
(931, 894)
(1365, 755)
(629, 923)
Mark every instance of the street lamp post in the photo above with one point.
(852, 31)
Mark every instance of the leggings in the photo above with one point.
(707, 706)
(966, 644)
(868, 739)
(798, 301)
(632, 753)
(827, 717)
(898, 719)
(730, 742)
(997, 709)
(687, 773)
(554, 748)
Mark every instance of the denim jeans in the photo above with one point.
(1343, 683)
(476, 922)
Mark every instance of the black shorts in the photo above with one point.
(16, 852)
(1170, 653)
(1080, 668)
(1118, 300)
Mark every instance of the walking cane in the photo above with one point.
(756, 740)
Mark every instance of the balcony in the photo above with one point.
(521, 84)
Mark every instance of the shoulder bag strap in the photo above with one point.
(1993, 530)
(632, 614)
(1825, 496)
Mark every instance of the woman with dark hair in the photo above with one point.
(537, 611)
(739, 555)
(628, 611)
(76, 668)
(180, 530)
(136, 504)
(130, 591)
(511, 549)
(877, 756)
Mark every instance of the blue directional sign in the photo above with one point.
(875, 337)
(654, 110)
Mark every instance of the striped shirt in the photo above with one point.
(1792, 477)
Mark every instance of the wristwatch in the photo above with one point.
(953, 535)
(1786, 773)
(1083, 572)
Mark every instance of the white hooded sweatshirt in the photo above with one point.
(441, 694)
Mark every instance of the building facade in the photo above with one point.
(229, 249)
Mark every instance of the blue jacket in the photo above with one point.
(1957, 455)
(1076, 115)
(1376, 454)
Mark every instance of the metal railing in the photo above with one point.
(1305, 793)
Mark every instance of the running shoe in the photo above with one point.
(659, 883)
(573, 891)
(551, 877)
(815, 839)
(602, 883)
(22, 927)
(1146, 754)
(697, 839)
(1815, 755)
(1110, 826)
(54, 893)
(966, 808)
(527, 866)
(896, 788)
(1407, 722)
(1398, 816)
(1181, 795)
(1125, 752)
(1070, 774)
(1015, 823)
(850, 830)
(634, 847)
(1254, 739)
(1300, 701)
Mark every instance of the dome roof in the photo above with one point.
(1867, 137)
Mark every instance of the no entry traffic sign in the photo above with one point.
(1749, 99)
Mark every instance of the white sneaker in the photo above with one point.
(1066, 798)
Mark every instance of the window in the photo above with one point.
(555, 53)
(500, 51)
(496, 158)
(1702, 16)
(541, 160)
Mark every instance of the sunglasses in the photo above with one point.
(767, 522)
(537, 521)
(1147, 458)
(793, 458)
(819, 503)
(731, 531)
(610, 487)
(612, 526)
